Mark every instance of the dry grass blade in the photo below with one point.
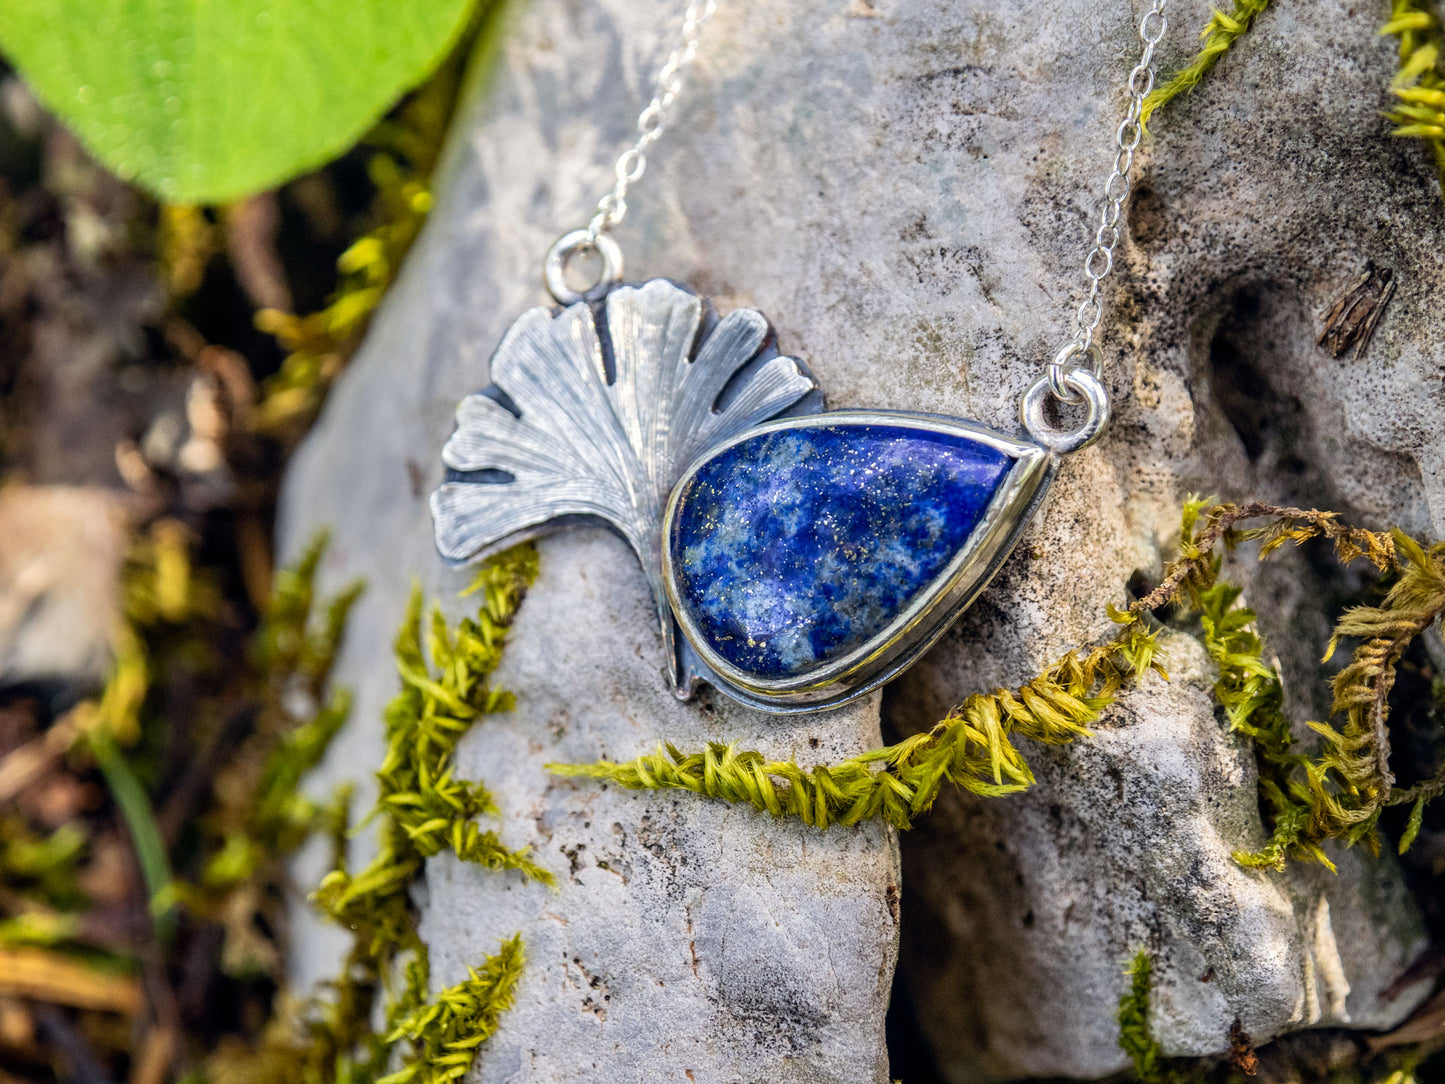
(59, 980)
(24, 765)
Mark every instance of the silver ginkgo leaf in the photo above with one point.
(595, 410)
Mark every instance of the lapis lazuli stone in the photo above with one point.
(796, 546)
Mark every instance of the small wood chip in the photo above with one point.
(1241, 1050)
(1352, 320)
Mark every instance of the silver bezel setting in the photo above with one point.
(926, 617)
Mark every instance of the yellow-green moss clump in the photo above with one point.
(1135, 1038)
(1420, 83)
(972, 748)
(1219, 34)
(1338, 794)
(422, 809)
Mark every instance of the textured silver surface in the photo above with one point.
(605, 408)
(925, 617)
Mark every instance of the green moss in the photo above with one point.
(1337, 795)
(263, 815)
(1252, 697)
(1341, 792)
(1135, 1038)
(1220, 34)
(1418, 86)
(422, 809)
(204, 733)
(43, 868)
(259, 814)
(407, 146)
(444, 1034)
(973, 748)
(1420, 83)
(225, 864)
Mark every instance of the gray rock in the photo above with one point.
(1022, 912)
(686, 935)
(60, 556)
(906, 189)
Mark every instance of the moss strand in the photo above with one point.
(1338, 794)
(972, 748)
(1135, 1038)
(1420, 82)
(422, 809)
(1220, 35)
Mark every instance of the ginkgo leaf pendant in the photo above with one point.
(595, 410)
(811, 559)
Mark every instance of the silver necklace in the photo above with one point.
(806, 556)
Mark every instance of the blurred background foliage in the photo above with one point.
(164, 345)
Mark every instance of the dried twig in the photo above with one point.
(60, 980)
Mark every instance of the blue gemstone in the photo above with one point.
(795, 546)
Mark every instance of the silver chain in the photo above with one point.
(1100, 260)
(1065, 375)
(651, 122)
(628, 170)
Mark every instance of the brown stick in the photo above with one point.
(47, 976)
(1221, 519)
(20, 767)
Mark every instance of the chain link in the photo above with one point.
(1100, 261)
(652, 121)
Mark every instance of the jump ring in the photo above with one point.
(1061, 366)
(1086, 387)
(554, 268)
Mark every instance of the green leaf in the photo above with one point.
(207, 101)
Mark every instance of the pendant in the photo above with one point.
(809, 560)
(806, 557)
